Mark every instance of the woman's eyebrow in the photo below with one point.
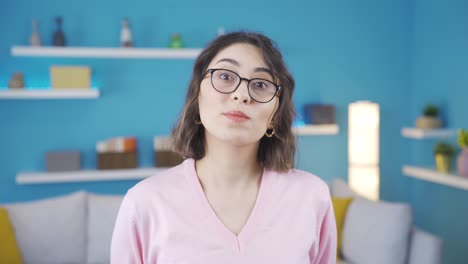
(232, 61)
(262, 69)
(236, 63)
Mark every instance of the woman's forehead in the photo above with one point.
(240, 55)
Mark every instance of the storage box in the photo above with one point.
(62, 160)
(117, 160)
(63, 77)
(319, 114)
(163, 154)
(166, 158)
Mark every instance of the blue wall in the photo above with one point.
(338, 52)
(440, 63)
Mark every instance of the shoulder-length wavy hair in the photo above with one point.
(275, 153)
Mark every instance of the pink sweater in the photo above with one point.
(166, 219)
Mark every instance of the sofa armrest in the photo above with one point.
(425, 248)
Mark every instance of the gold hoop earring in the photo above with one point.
(270, 132)
(198, 122)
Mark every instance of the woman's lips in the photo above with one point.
(236, 116)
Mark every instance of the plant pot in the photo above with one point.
(427, 122)
(443, 163)
(462, 163)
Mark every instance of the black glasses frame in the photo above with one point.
(211, 71)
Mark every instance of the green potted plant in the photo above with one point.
(430, 118)
(443, 156)
(462, 161)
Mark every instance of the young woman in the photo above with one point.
(236, 198)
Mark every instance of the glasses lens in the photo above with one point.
(224, 81)
(262, 90)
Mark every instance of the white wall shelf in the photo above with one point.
(86, 175)
(49, 93)
(100, 52)
(432, 175)
(331, 129)
(418, 133)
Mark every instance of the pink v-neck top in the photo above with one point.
(166, 219)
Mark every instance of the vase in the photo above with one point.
(443, 163)
(428, 122)
(462, 163)
(16, 81)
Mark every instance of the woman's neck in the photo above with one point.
(228, 167)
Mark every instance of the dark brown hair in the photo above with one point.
(277, 152)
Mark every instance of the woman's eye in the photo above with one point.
(225, 76)
(261, 85)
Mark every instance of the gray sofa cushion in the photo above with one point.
(51, 231)
(376, 232)
(425, 248)
(102, 213)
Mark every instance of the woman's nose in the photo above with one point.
(242, 92)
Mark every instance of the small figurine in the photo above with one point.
(35, 39)
(126, 34)
(16, 81)
(176, 41)
(59, 35)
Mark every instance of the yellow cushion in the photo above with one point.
(340, 206)
(9, 252)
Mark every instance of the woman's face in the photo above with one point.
(235, 117)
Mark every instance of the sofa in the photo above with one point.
(77, 228)
(382, 232)
(71, 229)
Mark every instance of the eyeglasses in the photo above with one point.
(226, 81)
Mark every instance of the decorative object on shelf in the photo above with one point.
(163, 154)
(363, 148)
(35, 38)
(319, 114)
(462, 161)
(443, 153)
(176, 41)
(65, 77)
(430, 119)
(16, 81)
(117, 153)
(62, 160)
(59, 36)
(126, 34)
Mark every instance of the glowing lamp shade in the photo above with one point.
(363, 148)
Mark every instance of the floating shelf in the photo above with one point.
(86, 175)
(316, 130)
(84, 93)
(432, 175)
(95, 52)
(418, 133)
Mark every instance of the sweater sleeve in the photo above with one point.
(126, 246)
(326, 253)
